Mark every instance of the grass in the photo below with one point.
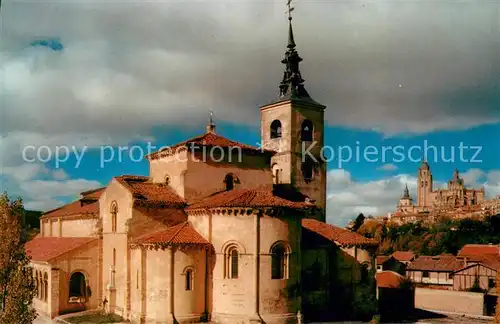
(96, 318)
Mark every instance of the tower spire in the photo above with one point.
(292, 84)
(406, 192)
(211, 124)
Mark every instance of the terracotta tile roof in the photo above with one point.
(336, 234)
(403, 256)
(148, 193)
(381, 259)
(488, 260)
(181, 234)
(93, 194)
(79, 207)
(48, 248)
(209, 140)
(88, 205)
(389, 279)
(252, 198)
(478, 249)
(440, 263)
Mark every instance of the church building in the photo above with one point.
(430, 201)
(236, 236)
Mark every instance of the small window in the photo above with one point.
(189, 279)
(276, 129)
(279, 262)
(276, 174)
(167, 180)
(229, 182)
(425, 274)
(114, 214)
(232, 263)
(491, 283)
(307, 131)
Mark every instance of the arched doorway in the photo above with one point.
(77, 288)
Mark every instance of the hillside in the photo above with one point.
(447, 236)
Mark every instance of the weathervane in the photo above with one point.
(290, 9)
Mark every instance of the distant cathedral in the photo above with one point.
(428, 199)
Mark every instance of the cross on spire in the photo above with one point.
(292, 84)
(290, 9)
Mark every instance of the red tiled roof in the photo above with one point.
(93, 194)
(478, 249)
(252, 198)
(210, 140)
(488, 260)
(183, 233)
(381, 259)
(48, 248)
(87, 205)
(389, 279)
(336, 234)
(146, 192)
(444, 263)
(78, 207)
(403, 255)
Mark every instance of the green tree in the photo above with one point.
(17, 287)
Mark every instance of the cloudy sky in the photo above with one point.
(91, 73)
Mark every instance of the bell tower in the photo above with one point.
(424, 185)
(293, 126)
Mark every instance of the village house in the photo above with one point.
(234, 238)
(482, 262)
(434, 271)
(397, 262)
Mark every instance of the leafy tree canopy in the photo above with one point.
(17, 287)
(446, 236)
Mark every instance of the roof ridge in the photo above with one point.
(88, 192)
(178, 231)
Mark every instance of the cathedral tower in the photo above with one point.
(293, 126)
(424, 185)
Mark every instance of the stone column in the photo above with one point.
(171, 288)
(54, 291)
(256, 273)
(111, 290)
(59, 227)
(299, 270)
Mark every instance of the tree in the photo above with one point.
(358, 222)
(17, 287)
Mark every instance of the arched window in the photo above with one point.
(307, 131)
(276, 129)
(188, 279)
(276, 174)
(279, 261)
(77, 285)
(45, 286)
(308, 169)
(229, 182)
(167, 180)
(114, 214)
(232, 262)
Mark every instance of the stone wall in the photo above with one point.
(450, 301)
